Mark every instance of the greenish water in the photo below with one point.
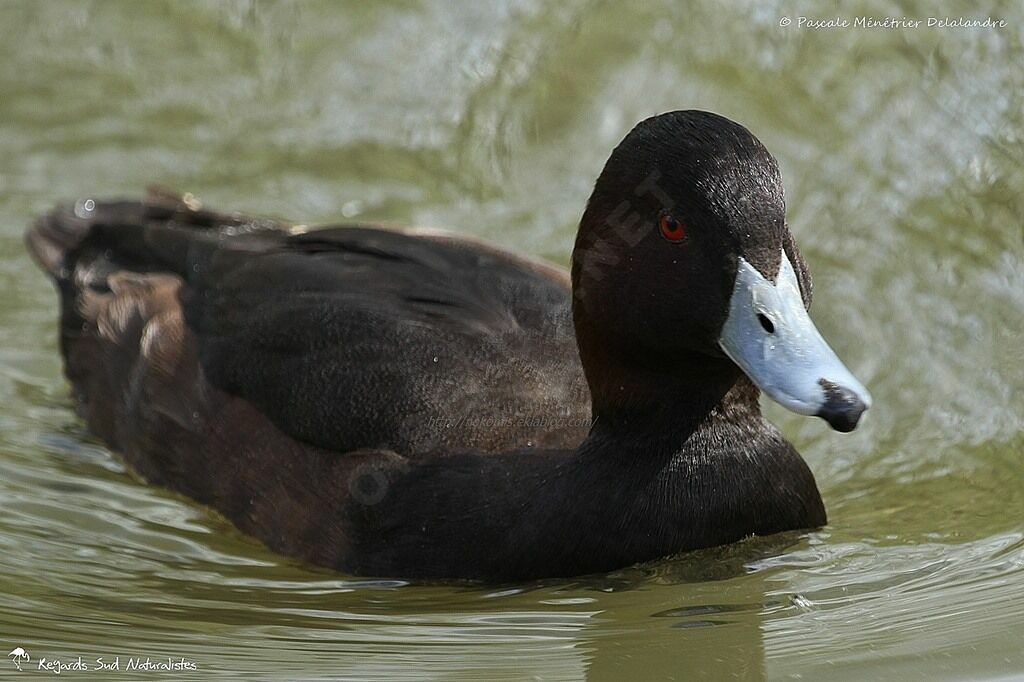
(902, 152)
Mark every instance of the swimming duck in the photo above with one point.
(413, 403)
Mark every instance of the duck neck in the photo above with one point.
(661, 410)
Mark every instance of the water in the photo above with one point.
(902, 153)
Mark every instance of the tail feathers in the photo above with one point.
(88, 240)
(118, 267)
(54, 235)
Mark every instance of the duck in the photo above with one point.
(412, 403)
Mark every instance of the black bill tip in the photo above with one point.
(842, 408)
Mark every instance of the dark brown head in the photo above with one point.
(684, 272)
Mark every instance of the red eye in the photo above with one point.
(672, 229)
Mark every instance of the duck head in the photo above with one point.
(686, 278)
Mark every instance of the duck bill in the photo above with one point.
(769, 334)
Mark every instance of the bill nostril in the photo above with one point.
(766, 323)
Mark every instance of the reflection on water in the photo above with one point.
(902, 153)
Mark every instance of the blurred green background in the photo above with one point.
(903, 158)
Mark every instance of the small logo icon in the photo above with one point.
(19, 655)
